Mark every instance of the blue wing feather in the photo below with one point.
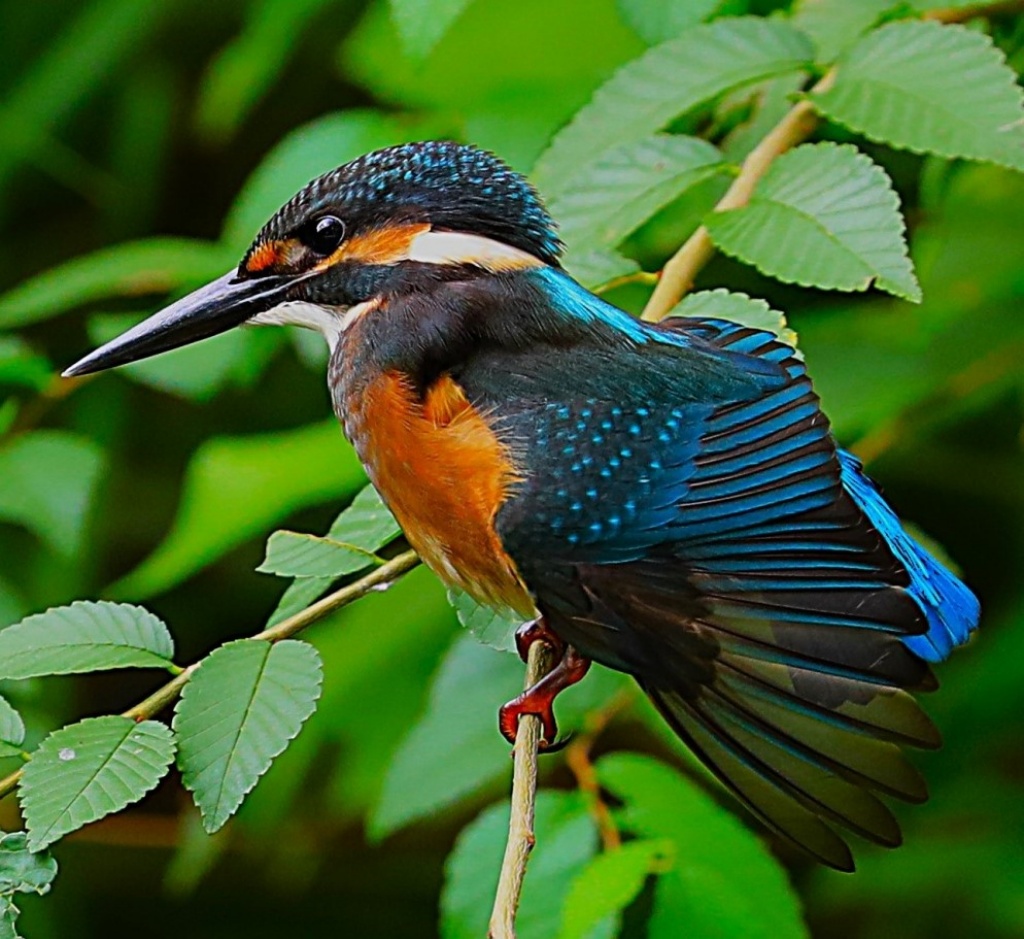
(699, 530)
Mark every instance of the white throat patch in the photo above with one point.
(328, 321)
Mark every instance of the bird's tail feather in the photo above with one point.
(950, 606)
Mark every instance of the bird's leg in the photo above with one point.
(537, 630)
(540, 699)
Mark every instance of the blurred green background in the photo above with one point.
(149, 141)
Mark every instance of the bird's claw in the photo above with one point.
(540, 699)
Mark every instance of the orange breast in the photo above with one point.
(444, 473)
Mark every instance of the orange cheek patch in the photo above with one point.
(380, 246)
(263, 258)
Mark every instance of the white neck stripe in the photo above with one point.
(443, 247)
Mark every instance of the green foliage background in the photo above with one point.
(170, 130)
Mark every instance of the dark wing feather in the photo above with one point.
(710, 549)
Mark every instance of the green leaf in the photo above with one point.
(87, 770)
(240, 709)
(155, 265)
(836, 24)
(667, 81)
(24, 871)
(655, 21)
(610, 882)
(248, 67)
(824, 215)
(197, 371)
(496, 628)
(304, 154)
(12, 727)
(769, 102)
(594, 268)
(619, 192)
(84, 637)
(737, 307)
(930, 88)
(725, 882)
(455, 748)
(49, 481)
(86, 46)
(292, 554)
(238, 487)
(422, 23)
(20, 365)
(367, 524)
(566, 839)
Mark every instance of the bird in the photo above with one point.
(667, 500)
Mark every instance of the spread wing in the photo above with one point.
(707, 545)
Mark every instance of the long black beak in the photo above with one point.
(226, 302)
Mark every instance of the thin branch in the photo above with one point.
(379, 579)
(524, 794)
(680, 272)
(577, 757)
(682, 268)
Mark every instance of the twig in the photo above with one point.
(577, 757)
(682, 268)
(377, 579)
(524, 792)
(679, 273)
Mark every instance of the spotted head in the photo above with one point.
(371, 228)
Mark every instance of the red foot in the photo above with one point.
(539, 700)
(537, 631)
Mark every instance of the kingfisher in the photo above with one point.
(663, 499)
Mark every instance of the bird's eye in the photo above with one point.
(324, 235)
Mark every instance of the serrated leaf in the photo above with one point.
(930, 88)
(422, 23)
(770, 101)
(87, 770)
(616, 194)
(566, 839)
(824, 215)
(237, 487)
(49, 481)
(366, 523)
(22, 870)
(155, 265)
(299, 594)
(84, 637)
(738, 308)
(594, 268)
(657, 20)
(667, 81)
(240, 709)
(610, 882)
(725, 883)
(495, 628)
(836, 24)
(293, 554)
(12, 727)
